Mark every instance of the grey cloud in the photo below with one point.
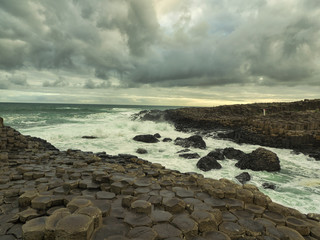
(227, 42)
(60, 82)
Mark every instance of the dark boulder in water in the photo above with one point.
(167, 140)
(141, 151)
(260, 159)
(184, 150)
(207, 163)
(157, 135)
(243, 177)
(232, 153)
(189, 155)
(216, 154)
(195, 141)
(269, 186)
(89, 137)
(148, 138)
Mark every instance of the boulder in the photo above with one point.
(260, 160)
(147, 138)
(216, 154)
(232, 153)
(268, 186)
(167, 140)
(195, 141)
(189, 155)
(207, 163)
(141, 151)
(89, 137)
(157, 135)
(243, 177)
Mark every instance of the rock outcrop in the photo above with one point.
(260, 160)
(50, 194)
(147, 138)
(208, 163)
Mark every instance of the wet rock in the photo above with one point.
(89, 137)
(289, 233)
(137, 220)
(243, 177)
(299, 225)
(195, 141)
(187, 225)
(141, 206)
(145, 233)
(148, 138)
(28, 214)
(260, 160)
(189, 155)
(232, 153)
(217, 154)
(77, 203)
(141, 151)
(158, 216)
(269, 186)
(94, 213)
(216, 235)
(207, 221)
(167, 140)
(174, 205)
(208, 163)
(157, 135)
(34, 229)
(166, 230)
(233, 230)
(75, 226)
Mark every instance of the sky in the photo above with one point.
(159, 52)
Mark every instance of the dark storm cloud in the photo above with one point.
(13, 81)
(198, 43)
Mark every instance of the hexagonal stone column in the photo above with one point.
(34, 229)
(75, 226)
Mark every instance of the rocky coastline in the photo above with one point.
(293, 125)
(50, 194)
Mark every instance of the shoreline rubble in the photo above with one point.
(50, 194)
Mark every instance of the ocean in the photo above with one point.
(63, 125)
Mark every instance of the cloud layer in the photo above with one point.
(168, 43)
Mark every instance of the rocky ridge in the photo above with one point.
(293, 125)
(50, 194)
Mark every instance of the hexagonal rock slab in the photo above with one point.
(161, 216)
(290, 233)
(183, 192)
(34, 229)
(77, 203)
(41, 202)
(252, 227)
(52, 221)
(141, 206)
(28, 214)
(137, 220)
(187, 225)
(174, 205)
(206, 220)
(94, 213)
(145, 233)
(216, 236)
(166, 230)
(75, 226)
(232, 229)
(299, 225)
(103, 195)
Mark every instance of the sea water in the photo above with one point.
(297, 184)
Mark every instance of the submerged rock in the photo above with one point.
(167, 140)
(208, 163)
(195, 141)
(217, 154)
(269, 186)
(148, 138)
(141, 151)
(89, 137)
(243, 177)
(189, 155)
(260, 160)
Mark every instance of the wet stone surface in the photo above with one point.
(50, 194)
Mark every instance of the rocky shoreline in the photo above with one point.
(293, 125)
(50, 194)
